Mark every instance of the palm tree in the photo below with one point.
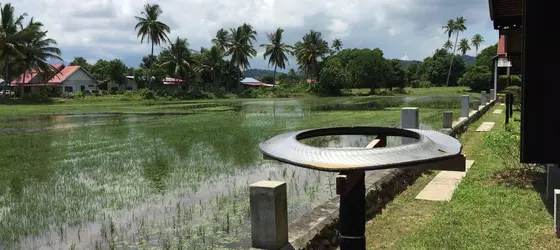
(458, 27)
(276, 51)
(309, 50)
(447, 45)
(151, 29)
(337, 45)
(210, 63)
(38, 50)
(221, 39)
(241, 49)
(464, 46)
(476, 41)
(12, 37)
(449, 28)
(177, 58)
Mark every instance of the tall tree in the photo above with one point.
(40, 49)
(449, 28)
(476, 41)
(308, 52)
(221, 39)
(241, 49)
(336, 45)
(151, 29)
(459, 25)
(464, 46)
(12, 37)
(277, 51)
(82, 62)
(447, 45)
(177, 59)
(211, 61)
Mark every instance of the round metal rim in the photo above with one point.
(430, 146)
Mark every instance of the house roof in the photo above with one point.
(250, 80)
(63, 74)
(170, 80)
(502, 46)
(254, 82)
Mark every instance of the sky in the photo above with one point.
(404, 29)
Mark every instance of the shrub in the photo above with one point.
(384, 92)
(40, 97)
(79, 95)
(129, 94)
(398, 90)
(146, 94)
(477, 78)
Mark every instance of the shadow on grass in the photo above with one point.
(539, 184)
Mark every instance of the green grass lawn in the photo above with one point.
(433, 91)
(485, 213)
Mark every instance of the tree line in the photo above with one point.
(326, 68)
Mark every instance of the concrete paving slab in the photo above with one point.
(442, 187)
(485, 127)
(498, 111)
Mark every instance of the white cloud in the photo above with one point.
(105, 28)
(405, 58)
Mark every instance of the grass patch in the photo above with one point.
(485, 213)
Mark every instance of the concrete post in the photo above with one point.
(447, 119)
(410, 118)
(492, 95)
(465, 102)
(483, 98)
(557, 212)
(475, 105)
(552, 180)
(495, 77)
(269, 214)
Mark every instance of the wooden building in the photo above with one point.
(530, 44)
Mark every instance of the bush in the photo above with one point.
(384, 92)
(477, 78)
(79, 95)
(146, 94)
(129, 94)
(398, 90)
(40, 97)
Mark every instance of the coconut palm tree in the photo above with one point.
(464, 46)
(336, 45)
(241, 49)
(210, 63)
(476, 41)
(458, 27)
(447, 45)
(12, 37)
(308, 52)
(449, 28)
(277, 51)
(221, 39)
(151, 29)
(38, 50)
(177, 58)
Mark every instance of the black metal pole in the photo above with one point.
(352, 216)
(507, 108)
(511, 101)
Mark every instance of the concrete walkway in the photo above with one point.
(498, 111)
(442, 187)
(485, 127)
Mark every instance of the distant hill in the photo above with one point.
(407, 63)
(469, 59)
(257, 73)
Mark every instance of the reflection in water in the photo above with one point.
(134, 181)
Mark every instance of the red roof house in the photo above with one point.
(66, 79)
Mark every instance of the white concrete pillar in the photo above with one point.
(447, 119)
(269, 214)
(465, 102)
(495, 77)
(410, 118)
(483, 100)
(492, 94)
(475, 105)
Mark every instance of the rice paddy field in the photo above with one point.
(168, 179)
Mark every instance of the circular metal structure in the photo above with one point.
(431, 146)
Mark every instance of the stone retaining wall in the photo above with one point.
(319, 228)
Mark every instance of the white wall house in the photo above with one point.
(130, 85)
(68, 79)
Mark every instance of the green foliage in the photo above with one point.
(146, 94)
(484, 58)
(420, 84)
(333, 77)
(436, 68)
(384, 92)
(515, 79)
(396, 74)
(399, 90)
(258, 73)
(477, 78)
(267, 79)
(367, 67)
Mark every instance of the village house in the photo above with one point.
(130, 85)
(67, 79)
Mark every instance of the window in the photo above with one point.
(68, 89)
(128, 88)
(83, 88)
